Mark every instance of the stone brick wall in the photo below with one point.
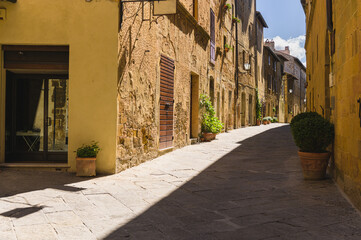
(186, 41)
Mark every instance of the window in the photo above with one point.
(269, 60)
(213, 37)
(329, 15)
(274, 66)
(244, 58)
(249, 3)
(250, 63)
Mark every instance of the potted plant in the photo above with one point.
(235, 19)
(265, 121)
(210, 123)
(227, 47)
(313, 134)
(269, 119)
(227, 6)
(86, 159)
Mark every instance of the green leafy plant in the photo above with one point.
(227, 6)
(274, 109)
(227, 47)
(303, 116)
(88, 151)
(210, 123)
(258, 107)
(274, 120)
(312, 134)
(236, 19)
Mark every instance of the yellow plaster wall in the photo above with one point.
(345, 66)
(316, 59)
(90, 29)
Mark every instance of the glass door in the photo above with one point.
(36, 118)
(57, 118)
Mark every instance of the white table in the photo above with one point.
(30, 138)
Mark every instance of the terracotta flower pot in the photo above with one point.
(314, 165)
(268, 122)
(258, 122)
(264, 122)
(85, 167)
(209, 136)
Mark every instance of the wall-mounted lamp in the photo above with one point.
(291, 91)
(305, 100)
(247, 66)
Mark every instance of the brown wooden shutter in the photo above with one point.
(213, 37)
(166, 102)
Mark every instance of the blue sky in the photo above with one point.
(286, 22)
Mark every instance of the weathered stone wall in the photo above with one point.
(186, 41)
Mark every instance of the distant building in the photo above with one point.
(273, 78)
(286, 81)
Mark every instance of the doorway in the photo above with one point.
(194, 105)
(243, 102)
(36, 117)
(250, 110)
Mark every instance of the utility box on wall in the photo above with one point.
(2, 14)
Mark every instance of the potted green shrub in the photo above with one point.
(235, 19)
(227, 47)
(313, 134)
(265, 121)
(227, 6)
(269, 119)
(86, 160)
(210, 123)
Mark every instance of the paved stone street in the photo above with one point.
(245, 185)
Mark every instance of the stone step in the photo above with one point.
(59, 167)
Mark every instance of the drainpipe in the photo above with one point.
(237, 63)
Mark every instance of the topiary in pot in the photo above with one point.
(86, 160)
(313, 134)
(305, 115)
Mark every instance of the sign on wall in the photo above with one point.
(165, 7)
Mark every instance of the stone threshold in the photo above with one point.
(37, 166)
(165, 151)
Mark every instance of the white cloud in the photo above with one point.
(296, 46)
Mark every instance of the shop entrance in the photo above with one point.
(36, 104)
(36, 123)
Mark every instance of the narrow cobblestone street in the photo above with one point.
(247, 184)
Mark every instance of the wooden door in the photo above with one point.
(166, 102)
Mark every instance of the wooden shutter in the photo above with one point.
(213, 37)
(166, 102)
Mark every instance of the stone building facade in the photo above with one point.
(273, 80)
(120, 75)
(296, 82)
(261, 24)
(288, 97)
(334, 82)
(193, 43)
